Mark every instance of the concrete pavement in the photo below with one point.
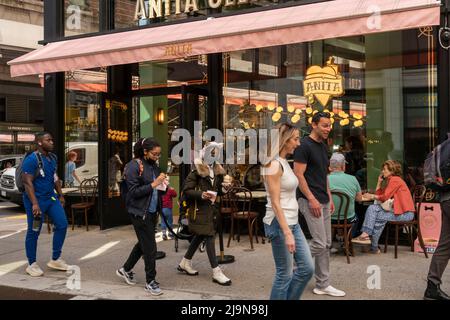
(98, 254)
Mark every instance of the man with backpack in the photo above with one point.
(36, 177)
(437, 177)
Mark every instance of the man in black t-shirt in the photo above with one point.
(315, 202)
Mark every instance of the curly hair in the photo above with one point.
(393, 166)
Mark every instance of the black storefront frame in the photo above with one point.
(54, 89)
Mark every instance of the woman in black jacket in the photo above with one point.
(205, 177)
(143, 202)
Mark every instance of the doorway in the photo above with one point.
(163, 111)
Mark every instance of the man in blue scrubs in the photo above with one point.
(40, 181)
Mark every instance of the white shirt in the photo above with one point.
(288, 197)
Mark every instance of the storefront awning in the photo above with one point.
(330, 19)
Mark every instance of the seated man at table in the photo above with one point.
(342, 182)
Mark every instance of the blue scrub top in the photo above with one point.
(44, 187)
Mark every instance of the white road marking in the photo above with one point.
(11, 234)
(100, 250)
(6, 268)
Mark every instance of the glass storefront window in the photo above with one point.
(6, 143)
(81, 119)
(382, 96)
(185, 71)
(81, 16)
(2, 109)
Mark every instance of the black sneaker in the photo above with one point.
(153, 288)
(127, 276)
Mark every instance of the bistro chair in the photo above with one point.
(228, 204)
(418, 195)
(88, 192)
(242, 198)
(342, 222)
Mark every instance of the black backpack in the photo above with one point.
(19, 169)
(123, 183)
(436, 169)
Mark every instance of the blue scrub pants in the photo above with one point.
(54, 210)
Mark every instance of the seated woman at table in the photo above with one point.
(390, 185)
(281, 221)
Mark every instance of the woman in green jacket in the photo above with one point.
(200, 188)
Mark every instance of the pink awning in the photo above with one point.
(331, 19)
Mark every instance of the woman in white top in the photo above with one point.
(281, 221)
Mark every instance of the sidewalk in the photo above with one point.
(252, 272)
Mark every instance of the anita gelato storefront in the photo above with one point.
(373, 65)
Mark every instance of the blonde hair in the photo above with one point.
(393, 166)
(286, 132)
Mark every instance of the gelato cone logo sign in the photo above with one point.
(323, 83)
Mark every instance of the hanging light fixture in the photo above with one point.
(276, 117)
(358, 123)
(295, 118)
(160, 116)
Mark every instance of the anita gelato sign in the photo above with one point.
(323, 83)
(159, 8)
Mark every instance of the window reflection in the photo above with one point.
(81, 119)
(387, 111)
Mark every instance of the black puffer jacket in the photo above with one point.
(139, 187)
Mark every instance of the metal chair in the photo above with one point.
(418, 195)
(342, 222)
(242, 205)
(88, 191)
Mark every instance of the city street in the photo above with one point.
(99, 253)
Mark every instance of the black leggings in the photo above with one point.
(210, 249)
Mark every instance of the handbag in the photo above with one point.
(388, 205)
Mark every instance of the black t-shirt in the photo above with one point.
(315, 155)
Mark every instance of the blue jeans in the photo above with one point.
(167, 212)
(375, 220)
(289, 282)
(54, 210)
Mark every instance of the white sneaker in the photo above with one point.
(186, 266)
(330, 291)
(59, 264)
(220, 278)
(334, 250)
(34, 270)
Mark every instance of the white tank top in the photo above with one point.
(288, 198)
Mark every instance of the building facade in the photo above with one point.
(21, 99)
(147, 68)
